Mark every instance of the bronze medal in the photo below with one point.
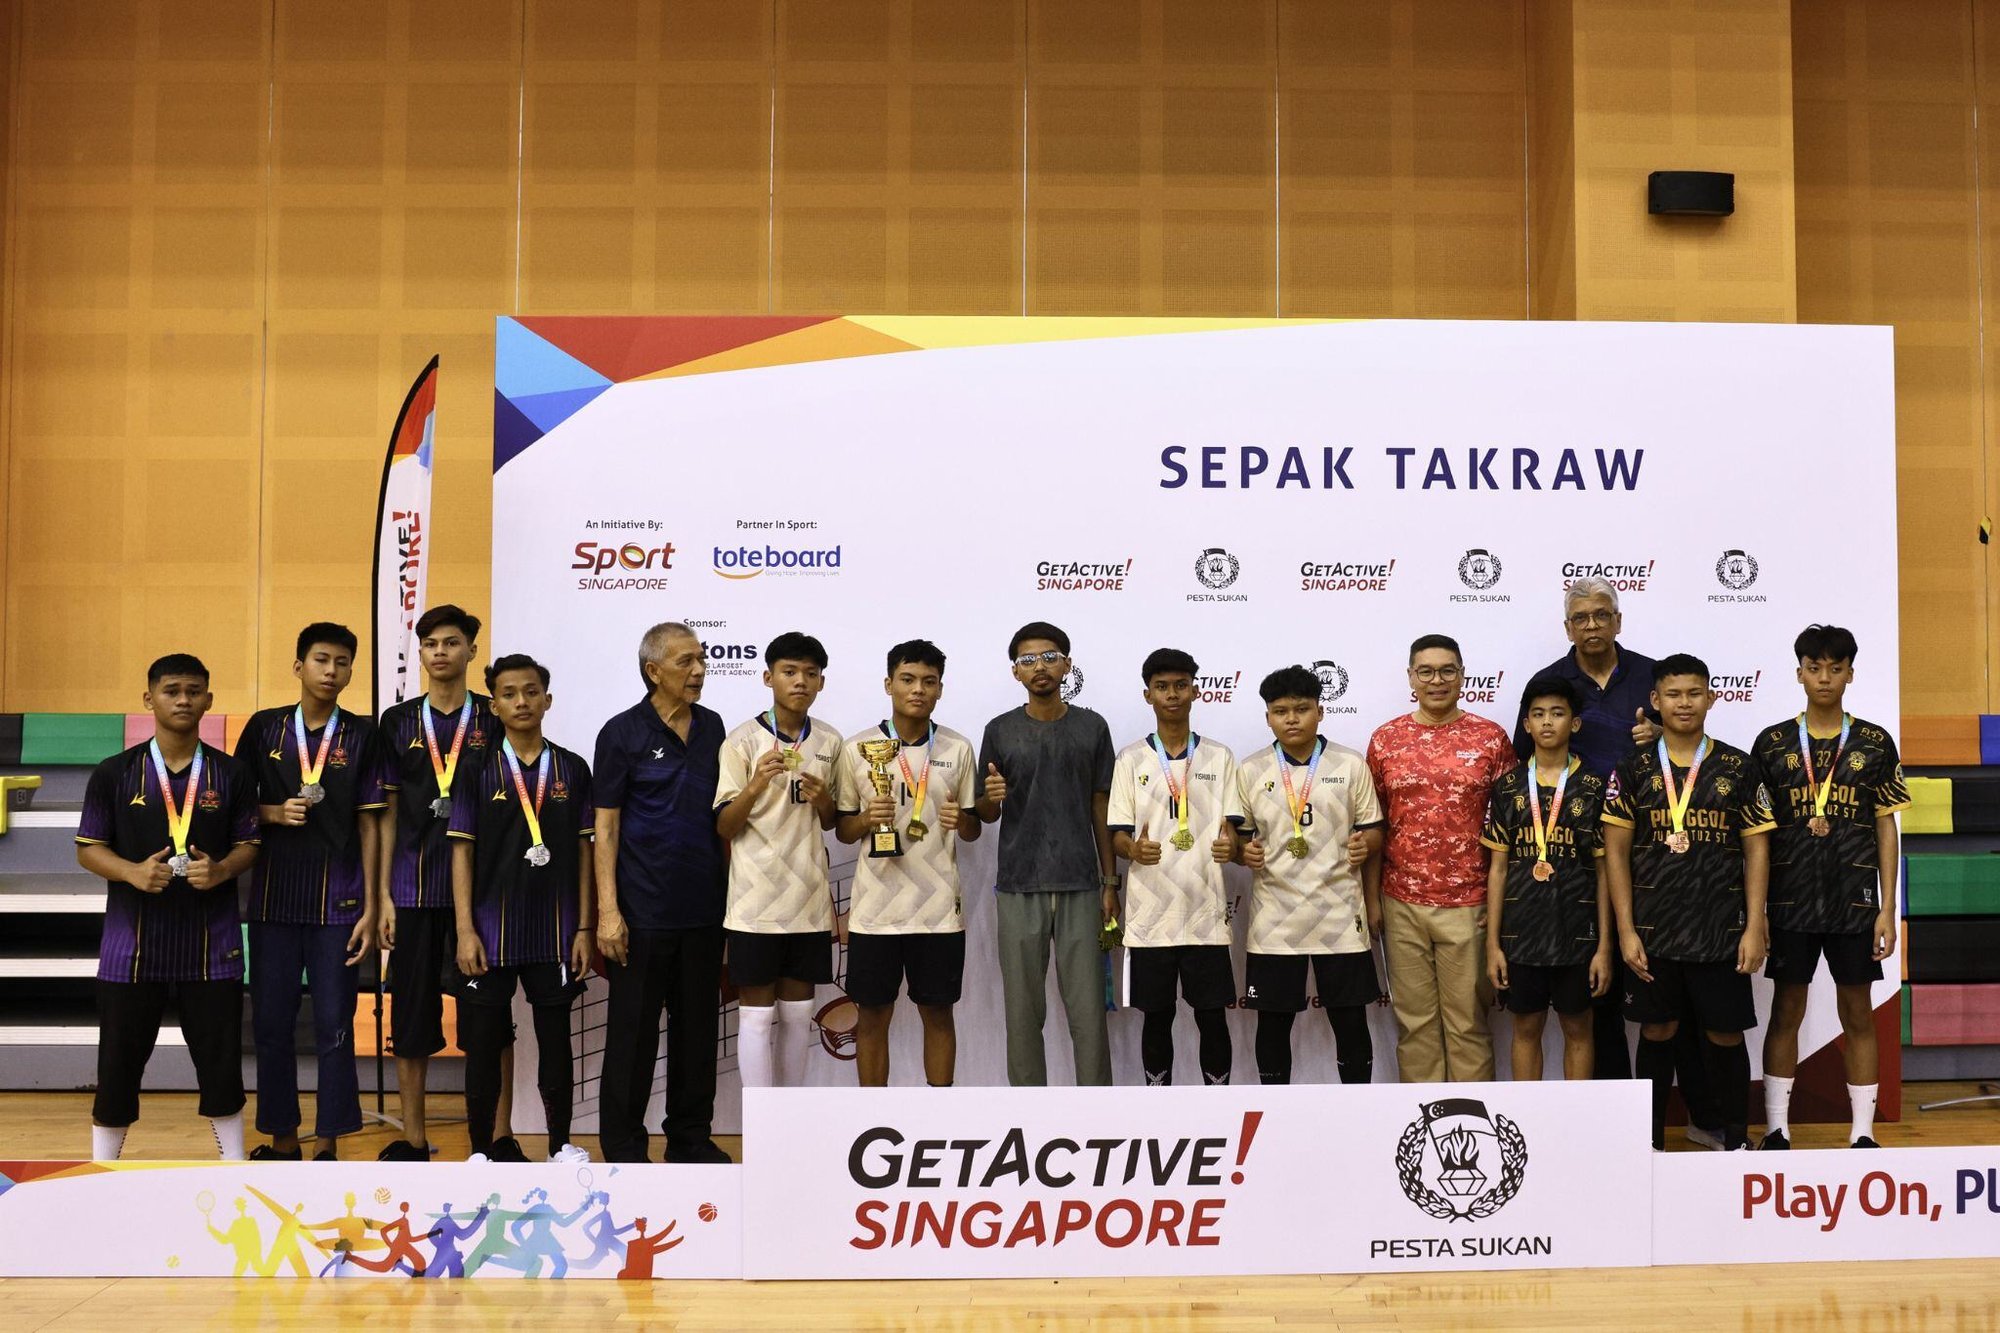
(1819, 825)
(1183, 841)
(1677, 841)
(1544, 871)
(916, 829)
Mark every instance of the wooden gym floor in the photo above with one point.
(1801, 1298)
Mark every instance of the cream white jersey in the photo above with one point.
(777, 864)
(1181, 900)
(918, 892)
(1310, 904)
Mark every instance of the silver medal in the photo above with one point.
(312, 793)
(441, 807)
(538, 855)
(179, 864)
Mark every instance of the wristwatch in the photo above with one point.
(1108, 881)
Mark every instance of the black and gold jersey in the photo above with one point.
(1828, 883)
(1548, 922)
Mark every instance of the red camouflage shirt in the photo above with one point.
(1434, 783)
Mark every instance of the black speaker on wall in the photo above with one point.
(1701, 194)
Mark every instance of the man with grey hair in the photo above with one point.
(661, 881)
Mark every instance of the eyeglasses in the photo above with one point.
(1427, 674)
(1049, 658)
(1592, 619)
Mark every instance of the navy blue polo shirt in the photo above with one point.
(672, 868)
(1606, 737)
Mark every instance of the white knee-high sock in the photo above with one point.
(1861, 1099)
(228, 1130)
(794, 1029)
(1777, 1105)
(753, 1045)
(106, 1142)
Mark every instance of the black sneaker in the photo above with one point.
(402, 1150)
(1864, 1142)
(705, 1153)
(506, 1150)
(264, 1152)
(326, 1154)
(1775, 1141)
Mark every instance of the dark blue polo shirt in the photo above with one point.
(672, 868)
(1606, 737)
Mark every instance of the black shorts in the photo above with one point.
(760, 960)
(1713, 996)
(878, 964)
(128, 1027)
(424, 935)
(1532, 989)
(545, 984)
(1201, 972)
(1850, 959)
(1277, 981)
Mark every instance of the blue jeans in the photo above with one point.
(279, 953)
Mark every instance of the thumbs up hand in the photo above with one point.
(1643, 731)
(996, 786)
(1145, 852)
(1223, 849)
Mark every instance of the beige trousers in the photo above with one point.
(1438, 988)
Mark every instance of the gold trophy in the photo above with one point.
(886, 841)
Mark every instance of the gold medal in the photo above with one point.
(1297, 847)
(1677, 841)
(916, 829)
(1183, 841)
(793, 759)
(1819, 825)
(1544, 871)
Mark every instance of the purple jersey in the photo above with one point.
(420, 864)
(525, 913)
(182, 934)
(312, 875)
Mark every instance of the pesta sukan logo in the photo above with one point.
(621, 568)
(1332, 685)
(1217, 570)
(1459, 1162)
(1072, 683)
(748, 562)
(1736, 570)
(1479, 570)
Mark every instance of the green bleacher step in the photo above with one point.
(71, 738)
(1952, 884)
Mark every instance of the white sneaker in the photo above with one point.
(569, 1152)
(479, 1157)
(1704, 1138)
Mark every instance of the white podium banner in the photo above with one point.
(369, 1219)
(1075, 1182)
(1833, 1204)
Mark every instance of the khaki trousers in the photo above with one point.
(1438, 988)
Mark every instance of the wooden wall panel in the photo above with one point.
(1401, 137)
(1887, 234)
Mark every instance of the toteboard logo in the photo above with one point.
(1479, 570)
(747, 562)
(1217, 689)
(1216, 569)
(1631, 576)
(1082, 575)
(1459, 1163)
(1072, 684)
(1332, 685)
(1345, 575)
(1736, 570)
(1735, 689)
(647, 566)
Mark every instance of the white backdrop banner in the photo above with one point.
(1834, 1204)
(1077, 1182)
(1259, 493)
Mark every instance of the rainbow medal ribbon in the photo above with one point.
(445, 766)
(919, 786)
(793, 759)
(181, 820)
(1677, 802)
(1543, 835)
(1183, 839)
(311, 788)
(1819, 825)
(1295, 802)
(538, 853)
